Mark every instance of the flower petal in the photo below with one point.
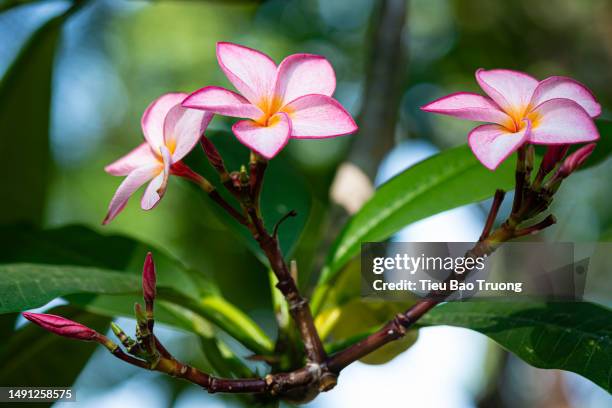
(151, 197)
(562, 121)
(563, 87)
(318, 116)
(511, 90)
(129, 185)
(265, 140)
(467, 105)
(219, 100)
(140, 156)
(492, 144)
(157, 187)
(304, 74)
(249, 70)
(153, 118)
(183, 128)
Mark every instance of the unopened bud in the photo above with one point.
(554, 154)
(575, 160)
(119, 332)
(235, 178)
(149, 282)
(138, 312)
(62, 326)
(244, 176)
(213, 155)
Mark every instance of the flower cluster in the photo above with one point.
(291, 100)
(294, 100)
(520, 109)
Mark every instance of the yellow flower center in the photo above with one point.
(517, 122)
(270, 107)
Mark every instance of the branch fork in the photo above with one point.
(320, 371)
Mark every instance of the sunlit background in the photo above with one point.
(115, 56)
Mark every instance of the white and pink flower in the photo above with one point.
(171, 132)
(520, 109)
(291, 100)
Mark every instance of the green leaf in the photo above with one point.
(568, 336)
(114, 265)
(80, 246)
(37, 358)
(447, 180)
(27, 286)
(25, 96)
(220, 357)
(226, 316)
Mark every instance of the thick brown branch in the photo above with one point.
(393, 330)
(250, 201)
(298, 306)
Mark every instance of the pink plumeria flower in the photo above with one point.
(292, 100)
(171, 132)
(521, 109)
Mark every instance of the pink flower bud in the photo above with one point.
(575, 160)
(213, 154)
(149, 281)
(554, 154)
(62, 326)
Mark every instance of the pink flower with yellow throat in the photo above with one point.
(291, 100)
(520, 109)
(171, 132)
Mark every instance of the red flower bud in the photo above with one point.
(62, 326)
(149, 279)
(554, 154)
(213, 154)
(575, 160)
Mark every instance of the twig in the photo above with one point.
(250, 202)
(290, 214)
(182, 170)
(498, 198)
(519, 179)
(298, 306)
(257, 167)
(486, 245)
(546, 222)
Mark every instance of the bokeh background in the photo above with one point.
(114, 56)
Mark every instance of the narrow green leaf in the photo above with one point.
(568, 336)
(226, 316)
(27, 286)
(221, 359)
(25, 97)
(81, 246)
(447, 180)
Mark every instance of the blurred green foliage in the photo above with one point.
(65, 112)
